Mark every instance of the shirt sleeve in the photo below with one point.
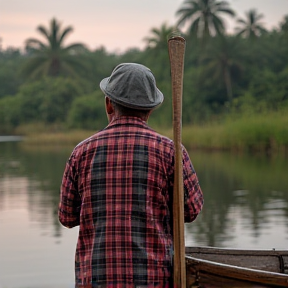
(193, 196)
(70, 200)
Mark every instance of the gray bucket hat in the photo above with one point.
(132, 85)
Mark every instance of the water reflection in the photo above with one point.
(244, 194)
(32, 253)
(40, 171)
(246, 205)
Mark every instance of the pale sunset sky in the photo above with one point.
(115, 24)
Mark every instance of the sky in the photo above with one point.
(118, 25)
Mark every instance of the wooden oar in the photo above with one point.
(176, 48)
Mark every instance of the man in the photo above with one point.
(118, 185)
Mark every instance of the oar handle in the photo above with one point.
(176, 48)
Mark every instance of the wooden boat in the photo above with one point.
(209, 267)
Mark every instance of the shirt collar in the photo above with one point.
(128, 120)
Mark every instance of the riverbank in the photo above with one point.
(257, 133)
(10, 138)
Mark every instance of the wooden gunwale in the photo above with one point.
(236, 272)
(227, 264)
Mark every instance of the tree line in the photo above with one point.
(225, 73)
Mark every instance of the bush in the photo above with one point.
(47, 101)
(88, 112)
(10, 113)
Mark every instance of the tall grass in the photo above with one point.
(265, 132)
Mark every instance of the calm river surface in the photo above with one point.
(246, 206)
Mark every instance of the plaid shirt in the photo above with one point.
(117, 186)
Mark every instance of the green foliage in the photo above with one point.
(88, 112)
(99, 64)
(10, 79)
(247, 105)
(162, 116)
(263, 84)
(47, 100)
(10, 114)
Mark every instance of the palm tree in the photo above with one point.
(222, 62)
(51, 57)
(203, 16)
(251, 27)
(156, 54)
(159, 37)
(284, 25)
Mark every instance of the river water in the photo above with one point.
(246, 206)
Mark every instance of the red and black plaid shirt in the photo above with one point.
(117, 186)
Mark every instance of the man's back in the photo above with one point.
(123, 176)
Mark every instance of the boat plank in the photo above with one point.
(196, 266)
(245, 268)
(267, 260)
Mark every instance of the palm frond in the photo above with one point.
(42, 30)
(76, 48)
(64, 34)
(218, 25)
(159, 36)
(33, 43)
(227, 11)
(205, 14)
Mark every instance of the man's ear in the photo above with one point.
(109, 106)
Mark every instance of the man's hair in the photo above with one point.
(126, 111)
